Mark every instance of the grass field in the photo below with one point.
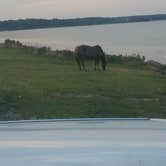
(38, 86)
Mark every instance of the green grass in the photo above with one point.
(37, 86)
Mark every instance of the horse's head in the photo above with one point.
(103, 59)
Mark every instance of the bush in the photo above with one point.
(67, 54)
(13, 43)
(125, 58)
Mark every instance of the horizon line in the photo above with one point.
(54, 18)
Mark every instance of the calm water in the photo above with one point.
(84, 143)
(148, 39)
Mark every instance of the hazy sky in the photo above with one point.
(12, 9)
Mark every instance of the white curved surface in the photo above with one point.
(95, 142)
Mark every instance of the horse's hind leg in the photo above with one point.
(83, 65)
(78, 62)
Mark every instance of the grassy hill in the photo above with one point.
(36, 86)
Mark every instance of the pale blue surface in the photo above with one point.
(99, 142)
(148, 39)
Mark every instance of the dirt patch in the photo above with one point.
(143, 99)
(76, 95)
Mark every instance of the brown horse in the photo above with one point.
(85, 52)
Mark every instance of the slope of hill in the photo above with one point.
(36, 86)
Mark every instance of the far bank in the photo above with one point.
(146, 39)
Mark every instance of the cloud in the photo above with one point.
(78, 8)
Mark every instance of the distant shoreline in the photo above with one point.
(28, 24)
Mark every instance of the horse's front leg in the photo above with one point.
(96, 65)
(83, 66)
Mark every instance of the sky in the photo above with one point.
(14, 9)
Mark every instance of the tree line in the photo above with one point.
(23, 24)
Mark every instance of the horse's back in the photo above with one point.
(87, 50)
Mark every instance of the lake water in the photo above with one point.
(84, 143)
(148, 39)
